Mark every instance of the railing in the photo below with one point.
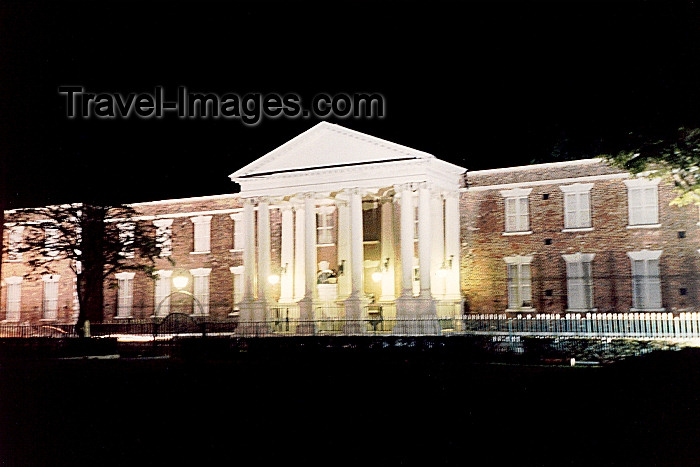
(285, 321)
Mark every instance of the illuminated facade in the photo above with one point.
(335, 223)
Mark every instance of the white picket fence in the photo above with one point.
(633, 325)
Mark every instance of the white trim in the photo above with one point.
(579, 257)
(164, 273)
(644, 226)
(124, 275)
(518, 259)
(202, 252)
(538, 166)
(645, 254)
(516, 193)
(578, 229)
(187, 200)
(236, 269)
(162, 222)
(51, 277)
(510, 234)
(200, 271)
(14, 280)
(557, 181)
(577, 188)
(641, 182)
(201, 220)
(647, 310)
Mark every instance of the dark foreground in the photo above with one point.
(341, 408)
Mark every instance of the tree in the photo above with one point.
(96, 240)
(675, 159)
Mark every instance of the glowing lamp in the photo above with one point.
(273, 279)
(377, 276)
(180, 281)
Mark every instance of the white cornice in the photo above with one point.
(546, 165)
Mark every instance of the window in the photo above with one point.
(238, 231)
(519, 282)
(202, 227)
(164, 236)
(324, 225)
(643, 201)
(517, 210)
(162, 296)
(14, 297)
(126, 239)
(237, 286)
(646, 281)
(125, 294)
(579, 281)
(15, 237)
(50, 298)
(577, 205)
(51, 241)
(200, 290)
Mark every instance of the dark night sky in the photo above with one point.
(483, 85)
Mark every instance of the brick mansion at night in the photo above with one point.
(336, 222)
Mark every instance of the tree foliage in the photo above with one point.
(95, 241)
(675, 159)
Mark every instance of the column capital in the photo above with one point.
(404, 187)
(452, 194)
(286, 206)
(250, 201)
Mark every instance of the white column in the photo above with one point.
(263, 248)
(437, 236)
(452, 245)
(387, 243)
(424, 239)
(287, 255)
(249, 250)
(310, 268)
(357, 256)
(407, 245)
(344, 248)
(299, 262)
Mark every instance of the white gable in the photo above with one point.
(328, 157)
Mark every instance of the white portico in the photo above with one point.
(361, 220)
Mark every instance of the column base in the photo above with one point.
(355, 315)
(252, 319)
(306, 317)
(416, 316)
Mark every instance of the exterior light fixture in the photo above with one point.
(273, 279)
(341, 267)
(377, 276)
(447, 264)
(180, 281)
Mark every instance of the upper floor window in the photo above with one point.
(517, 209)
(324, 225)
(238, 231)
(164, 236)
(643, 201)
(202, 227)
(200, 290)
(15, 242)
(579, 281)
(51, 241)
(577, 205)
(646, 280)
(126, 239)
(519, 282)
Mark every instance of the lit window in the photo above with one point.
(646, 281)
(200, 290)
(519, 282)
(126, 239)
(579, 281)
(15, 237)
(517, 209)
(162, 295)
(324, 225)
(164, 236)
(238, 231)
(51, 241)
(202, 227)
(125, 294)
(577, 205)
(50, 298)
(643, 201)
(14, 297)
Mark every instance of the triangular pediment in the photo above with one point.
(327, 145)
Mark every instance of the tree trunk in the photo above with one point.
(90, 279)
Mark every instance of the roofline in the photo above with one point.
(187, 200)
(591, 161)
